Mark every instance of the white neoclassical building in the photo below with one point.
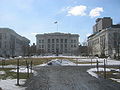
(51, 43)
(105, 39)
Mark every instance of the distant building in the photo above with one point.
(105, 40)
(83, 50)
(52, 43)
(12, 44)
(102, 23)
(33, 49)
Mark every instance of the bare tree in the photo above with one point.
(114, 44)
(102, 45)
(40, 52)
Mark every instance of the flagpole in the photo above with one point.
(56, 25)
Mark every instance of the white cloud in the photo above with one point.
(77, 11)
(95, 12)
(65, 9)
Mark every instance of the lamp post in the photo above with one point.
(118, 49)
(17, 71)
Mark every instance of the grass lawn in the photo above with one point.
(36, 61)
(22, 62)
(12, 75)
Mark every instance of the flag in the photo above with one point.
(56, 22)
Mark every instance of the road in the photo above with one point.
(68, 78)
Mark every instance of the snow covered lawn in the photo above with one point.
(100, 60)
(112, 73)
(2, 72)
(21, 70)
(93, 70)
(9, 66)
(10, 84)
(117, 80)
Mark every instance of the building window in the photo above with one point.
(42, 41)
(71, 45)
(42, 46)
(52, 50)
(52, 40)
(57, 45)
(52, 45)
(48, 40)
(39, 46)
(65, 50)
(48, 50)
(74, 41)
(65, 45)
(74, 45)
(48, 45)
(61, 45)
(61, 40)
(65, 40)
(71, 41)
(57, 40)
(39, 41)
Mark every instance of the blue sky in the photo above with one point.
(29, 17)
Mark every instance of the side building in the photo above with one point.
(12, 44)
(105, 40)
(61, 43)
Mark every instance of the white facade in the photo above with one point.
(12, 44)
(106, 41)
(62, 43)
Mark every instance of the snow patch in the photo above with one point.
(2, 72)
(45, 64)
(93, 70)
(9, 66)
(117, 80)
(21, 70)
(61, 62)
(9, 84)
(115, 73)
(108, 61)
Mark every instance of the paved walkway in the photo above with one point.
(68, 78)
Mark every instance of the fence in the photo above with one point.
(28, 66)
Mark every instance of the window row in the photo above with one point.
(57, 46)
(41, 41)
(57, 40)
(41, 46)
(53, 50)
(73, 46)
(73, 41)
